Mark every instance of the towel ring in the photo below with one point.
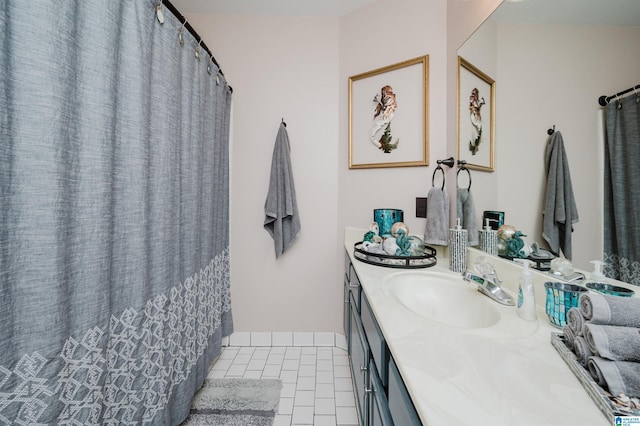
(463, 166)
(433, 177)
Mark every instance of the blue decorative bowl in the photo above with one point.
(385, 218)
(560, 298)
(611, 290)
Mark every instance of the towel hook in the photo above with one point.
(552, 130)
(463, 166)
(283, 123)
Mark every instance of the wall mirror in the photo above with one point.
(551, 60)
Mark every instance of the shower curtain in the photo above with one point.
(114, 240)
(622, 190)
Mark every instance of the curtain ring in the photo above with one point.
(468, 173)
(181, 35)
(433, 177)
(159, 13)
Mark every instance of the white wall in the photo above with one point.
(554, 75)
(298, 68)
(282, 67)
(380, 34)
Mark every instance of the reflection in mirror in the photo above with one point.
(551, 61)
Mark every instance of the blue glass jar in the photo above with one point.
(385, 218)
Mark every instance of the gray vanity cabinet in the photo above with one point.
(376, 379)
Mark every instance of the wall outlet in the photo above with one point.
(421, 207)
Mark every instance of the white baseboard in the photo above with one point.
(279, 338)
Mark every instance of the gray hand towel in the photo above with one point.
(560, 211)
(466, 211)
(613, 342)
(575, 320)
(582, 350)
(600, 308)
(437, 231)
(281, 209)
(569, 337)
(616, 376)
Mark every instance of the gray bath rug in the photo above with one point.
(235, 402)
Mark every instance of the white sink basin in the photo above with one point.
(442, 298)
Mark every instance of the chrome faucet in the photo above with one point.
(489, 285)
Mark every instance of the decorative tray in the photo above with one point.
(406, 262)
(597, 394)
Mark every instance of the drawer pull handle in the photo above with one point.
(353, 286)
(363, 369)
(366, 391)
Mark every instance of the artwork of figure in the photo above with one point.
(475, 103)
(381, 128)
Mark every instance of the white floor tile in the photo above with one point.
(302, 416)
(271, 371)
(252, 374)
(288, 390)
(290, 364)
(285, 406)
(306, 383)
(325, 406)
(346, 416)
(341, 371)
(304, 398)
(323, 420)
(317, 387)
(289, 376)
(308, 359)
(282, 420)
(324, 365)
(240, 339)
(343, 384)
(256, 364)
(307, 370)
(345, 399)
(324, 390)
(325, 377)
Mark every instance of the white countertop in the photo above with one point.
(507, 375)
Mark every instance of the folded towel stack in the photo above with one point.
(604, 334)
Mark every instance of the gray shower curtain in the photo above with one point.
(114, 236)
(622, 190)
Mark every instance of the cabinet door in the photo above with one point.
(359, 354)
(375, 338)
(400, 405)
(356, 289)
(379, 414)
(346, 319)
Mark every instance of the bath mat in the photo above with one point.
(235, 402)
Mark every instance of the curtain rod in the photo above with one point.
(193, 32)
(604, 100)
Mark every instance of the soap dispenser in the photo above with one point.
(489, 239)
(458, 248)
(597, 276)
(526, 296)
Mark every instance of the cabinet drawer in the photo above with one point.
(356, 289)
(376, 340)
(400, 405)
(346, 320)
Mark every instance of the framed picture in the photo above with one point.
(476, 117)
(388, 116)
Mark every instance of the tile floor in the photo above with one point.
(316, 381)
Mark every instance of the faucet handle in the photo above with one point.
(483, 267)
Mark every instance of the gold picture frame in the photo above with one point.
(476, 100)
(396, 94)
